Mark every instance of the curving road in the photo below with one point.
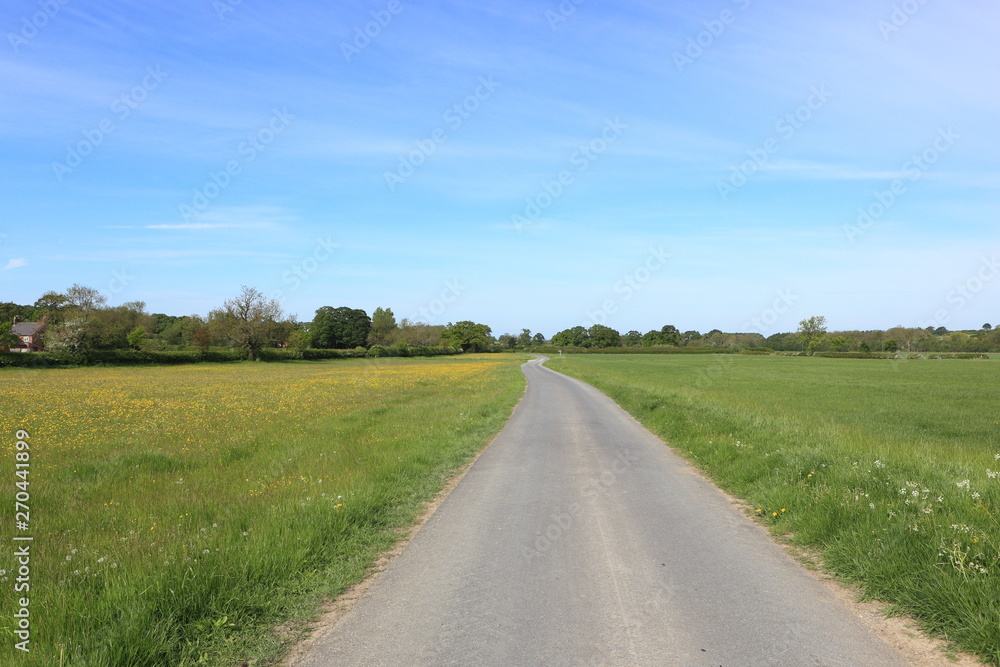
(578, 538)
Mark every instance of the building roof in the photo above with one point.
(26, 328)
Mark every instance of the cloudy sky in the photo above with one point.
(733, 164)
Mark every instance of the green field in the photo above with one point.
(180, 514)
(887, 468)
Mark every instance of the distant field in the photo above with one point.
(179, 514)
(888, 468)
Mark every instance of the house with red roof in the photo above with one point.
(30, 334)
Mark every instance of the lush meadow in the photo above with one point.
(180, 514)
(887, 468)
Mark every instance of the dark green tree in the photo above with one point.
(469, 336)
(669, 335)
(340, 328)
(602, 336)
(575, 337)
(8, 338)
(633, 338)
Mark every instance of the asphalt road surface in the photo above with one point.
(578, 538)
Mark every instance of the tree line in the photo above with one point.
(811, 336)
(79, 320)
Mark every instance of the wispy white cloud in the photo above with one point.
(15, 264)
(208, 225)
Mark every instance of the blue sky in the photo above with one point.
(524, 164)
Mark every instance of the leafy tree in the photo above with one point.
(890, 345)
(524, 338)
(340, 328)
(689, 336)
(50, 304)
(249, 321)
(670, 335)
(602, 336)
(508, 341)
(940, 331)
(10, 310)
(575, 337)
(299, 339)
(633, 338)
(161, 322)
(85, 298)
(382, 325)
(202, 339)
(812, 329)
(987, 327)
(111, 326)
(136, 337)
(8, 338)
(838, 343)
(538, 339)
(417, 334)
(864, 346)
(468, 335)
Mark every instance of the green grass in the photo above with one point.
(885, 467)
(180, 514)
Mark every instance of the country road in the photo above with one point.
(579, 538)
